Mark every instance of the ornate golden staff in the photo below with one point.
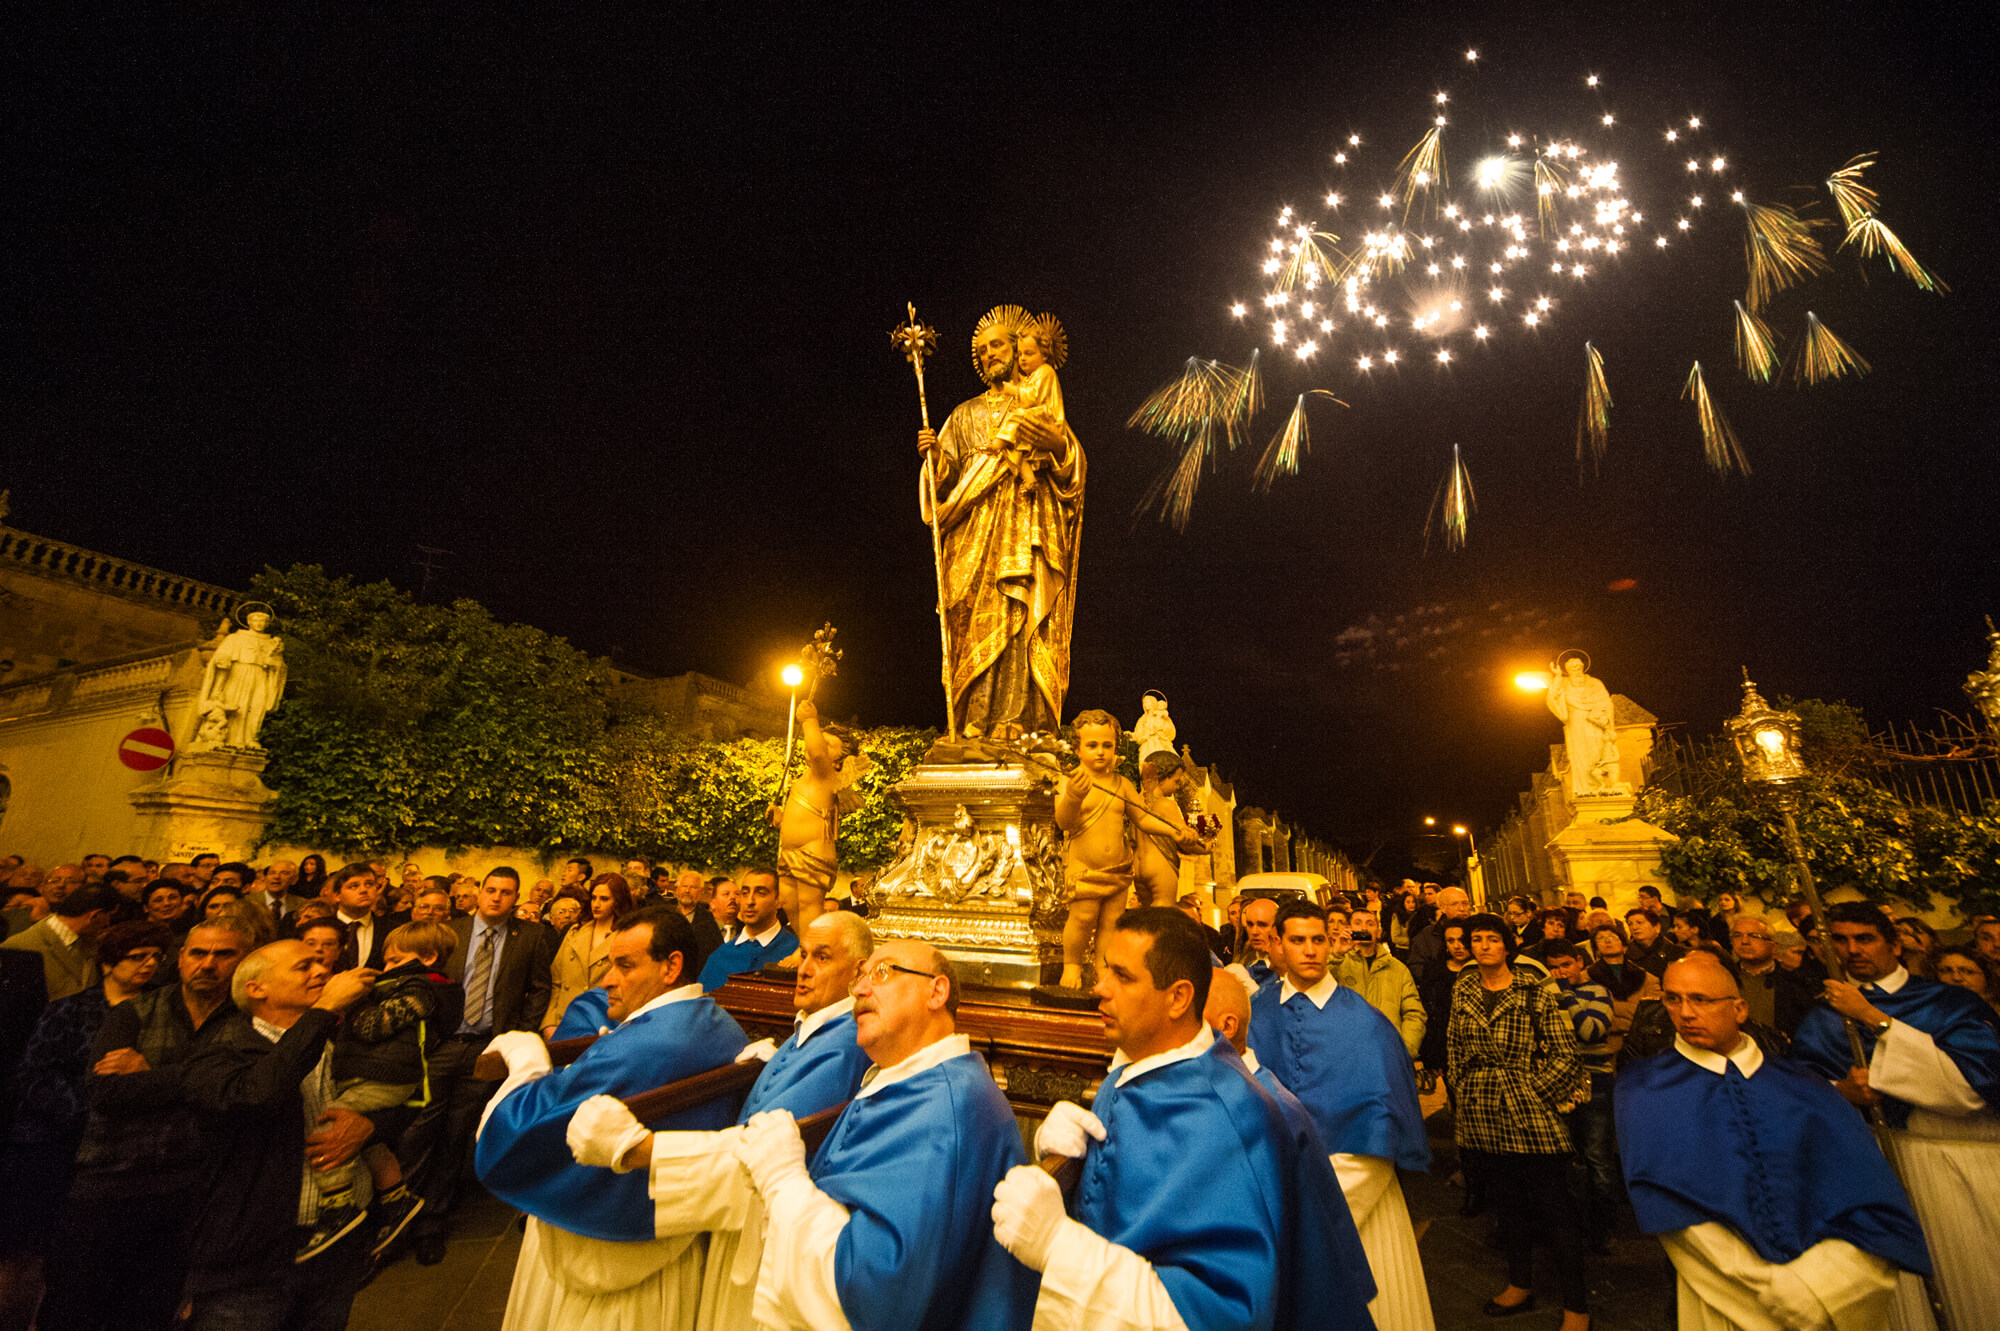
(917, 341)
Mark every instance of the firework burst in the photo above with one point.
(1452, 507)
(1290, 443)
(1780, 250)
(1209, 404)
(1593, 420)
(1718, 442)
(1822, 356)
(1756, 349)
(1854, 199)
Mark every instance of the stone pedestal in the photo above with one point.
(215, 801)
(982, 878)
(1606, 852)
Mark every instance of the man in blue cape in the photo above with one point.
(1347, 1065)
(888, 1230)
(1767, 1192)
(1933, 1054)
(1325, 1281)
(696, 1182)
(1179, 1214)
(759, 941)
(590, 1259)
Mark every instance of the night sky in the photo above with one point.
(599, 307)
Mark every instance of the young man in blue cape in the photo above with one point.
(1347, 1065)
(697, 1184)
(888, 1230)
(1767, 1192)
(591, 1259)
(1325, 1282)
(1933, 1054)
(759, 941)
(1179, 1214)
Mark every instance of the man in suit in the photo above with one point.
(355, 890)
(273, 890)
(66, 939)
(709, 933)
(503, 962)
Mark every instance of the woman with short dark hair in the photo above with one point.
(1513, 1062)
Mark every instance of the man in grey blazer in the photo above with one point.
(503, 963)
(66, 939)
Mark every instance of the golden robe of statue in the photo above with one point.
(1009, 576)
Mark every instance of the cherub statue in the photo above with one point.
(1097, 810)
(1039, 351)
(1157, 858)
(808, 821)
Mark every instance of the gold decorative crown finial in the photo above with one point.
(1055, 343)
(1010, 317)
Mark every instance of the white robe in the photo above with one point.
(1375, 1197)
(1948, 1157)
(1723, 1285)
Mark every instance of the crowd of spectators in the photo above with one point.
(239, 1088)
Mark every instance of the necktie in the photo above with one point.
(476, 981)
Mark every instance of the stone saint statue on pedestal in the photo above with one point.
(1009, 550)
(244, 681)
(1583, 705)
(1154, 732)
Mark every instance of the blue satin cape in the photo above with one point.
(824, 1072)
(915, 1164)
(587, 1014)
(745, 955)
(523, 1157)
(1347, 1065)
(1958, 1020)
(1779, 1157)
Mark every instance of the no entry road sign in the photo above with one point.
(146, 749)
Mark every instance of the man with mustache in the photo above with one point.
(889, 1229)
(696, 1182)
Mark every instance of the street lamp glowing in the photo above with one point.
(793, 676)
(1430, 822)
(1532, 681)
(1458, 831)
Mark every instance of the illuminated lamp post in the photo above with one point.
(793, 676)
(1767, 744)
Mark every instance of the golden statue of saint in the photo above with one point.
(1009, 549)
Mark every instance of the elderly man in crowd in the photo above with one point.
(65, 938)
(1651, 950)
(1933, 1054)
(890, 1226)
(1769, 1195)
(694, 1178)
(1427, 948)
(592, 1257)
(259, 1078)
(1346, 1063)
(120, 1254)
(1777, 997)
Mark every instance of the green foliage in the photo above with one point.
(406, 724)
(1857, 834)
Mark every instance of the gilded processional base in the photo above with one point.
(982, 877)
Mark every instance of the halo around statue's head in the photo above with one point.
(1055, 343)
(244, 609)
(1154, 693)
(1009, 317)
(1576, 652)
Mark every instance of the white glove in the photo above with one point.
(762, 1051)
(523, 1050)
(1027, 1212)
(770, 1148)
(1067, 1131)
(602, 1131)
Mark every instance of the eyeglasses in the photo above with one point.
(879, 972)
(1695, 1001)
(1761, 938)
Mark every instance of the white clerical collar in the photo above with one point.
(808, 1025)
(763, 939)
(940, 1051)
(1195, 1048)
(1250, 1060)
(680, 995)
(1889, 983)
(1319, 993)
(64, 934)
(1746, 1056)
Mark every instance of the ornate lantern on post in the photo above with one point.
(1767, 744)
